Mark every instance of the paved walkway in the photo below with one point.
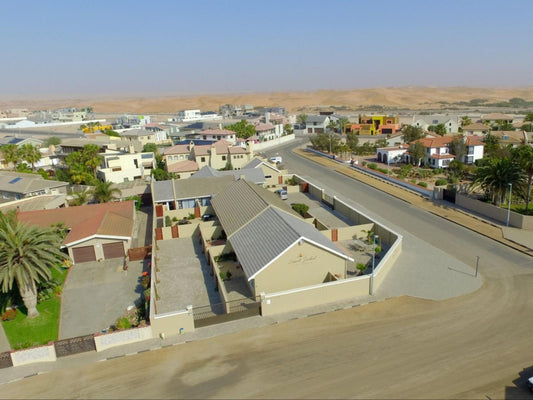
(4, 343)
(520, 240)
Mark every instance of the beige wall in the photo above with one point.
(497, 213)
(170, 324)
(302, 265)
(98, 248)
(273, 180)
(387, 262)
(312, 296)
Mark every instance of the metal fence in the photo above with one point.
(222, 312)
(80, 344)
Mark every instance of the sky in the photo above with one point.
(174, 47)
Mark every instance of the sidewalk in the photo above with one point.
(4, 343)
(516, 238)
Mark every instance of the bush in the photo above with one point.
(291, 181)
(423, 184)
(364, 163)
(372, 166)
(123, 323)
(361, 267)
(145, 281)
(383, 170)
(191, 216)
(441, 182)
(454, 179)
(300, 208)
(168, 221)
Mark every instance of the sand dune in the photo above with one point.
(403, 97)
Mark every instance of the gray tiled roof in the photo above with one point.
(16, 182)
(136, 132)
(162, 191)
(253, 175)
(241, 202)
(316, 118)
(255, 162)
(269, 234)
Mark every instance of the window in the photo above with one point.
(223, 158)
(205, 137)
(268, 176)
(116, 169)
(136, 163)
(202, 159)
(470, 149)
(204, 201)
(186, 203)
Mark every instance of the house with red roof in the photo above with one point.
(95, 232)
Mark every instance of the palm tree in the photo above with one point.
(524, 156)
(79, 198)
(332, 126)
(27, 252)
(302, 120)
(91, 157)
(104, 193)
(11, 154)
(465, 121)
(30, 154)
(495, 177)
(342, 123)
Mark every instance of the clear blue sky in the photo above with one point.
(172, 47)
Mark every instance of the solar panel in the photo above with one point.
(15, 180)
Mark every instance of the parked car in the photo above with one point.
(183, 222)
(275, 160)
(282, 193)
(207, 217)
(530, 383)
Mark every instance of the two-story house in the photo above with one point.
(451, 123)
(120, 167)
(317, 123)
(17, 185)
(438, 154)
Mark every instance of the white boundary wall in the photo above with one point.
(36, 354)
(107, 340)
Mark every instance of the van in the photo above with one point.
(282, 193)
(275, 160)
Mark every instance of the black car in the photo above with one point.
(207, 217)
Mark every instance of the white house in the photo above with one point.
(120, 167)
(450, 122)
(317, 123)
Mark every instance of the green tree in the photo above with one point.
(528, 117)
(27, 253)
(150, 148)
(79, 198)
(326, 141)
(524, 156)
(380, 143)
(495, 177)
(465, 121)
(104, 192)
(342, 123)
(30, 154)
(302, 120)
(417, 152)
(332, 126)
(242, 129)
(458, 148)
(91, 157)
(52, 141)
(288, 129)
(11, 154)
(412, 133)
(352, 140)
(456, 168)
(492, 145)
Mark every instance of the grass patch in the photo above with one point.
(23, 332)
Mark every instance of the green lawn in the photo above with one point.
(23, 332)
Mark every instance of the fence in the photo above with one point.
(80, 344)
(139, 253)
(216, 313)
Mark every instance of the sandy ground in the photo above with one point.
(404, 97)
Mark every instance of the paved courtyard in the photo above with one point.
(96, 294)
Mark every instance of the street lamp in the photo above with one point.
(373, 264)
(509, 207)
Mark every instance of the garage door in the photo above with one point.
(113, 250)
(83, 254)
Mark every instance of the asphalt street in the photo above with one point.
(468, 346)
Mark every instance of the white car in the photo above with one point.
(282, 193)
(275, 160)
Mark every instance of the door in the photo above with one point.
(83, 254)
(113, 250)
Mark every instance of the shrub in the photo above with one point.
(191, 216)
(300, 208)
(423, 184)
(372, 166)
(168, 221)
(123, 323)
(364, 163)
(361, 267)
(377, 249)
(441, 182)
(383, 170)
(291, 181)
(413, 181)
(175, 219)
(454, 179)
(145, 281)
(9, 315)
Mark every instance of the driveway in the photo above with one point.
(96, 294)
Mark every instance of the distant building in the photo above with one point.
(374, 125)
(195, 115)
(451, 123)
(231, 111)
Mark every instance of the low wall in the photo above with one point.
(291, 300)
(174, 323)
(36, 354)
(274, 142)
(493, 212)
(387, 262)
(354, 232)
(113, 339)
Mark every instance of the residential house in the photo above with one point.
(96, 232)
(217, 134)
(317, 123)
(17, 185)
(254, 175)
(477, 129)
(438, 153)
(231, 111)
(451, 123)
(132, 121)
(267, 131)
(137, 138)
(393, 154)
(40, 202)
(183, 169)
(374, 125)
(196, 115)
(272, 175)
(496, 118)
(276, 249)
(20, 141)
(513, 138)
(218, 155)
(120, 167)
